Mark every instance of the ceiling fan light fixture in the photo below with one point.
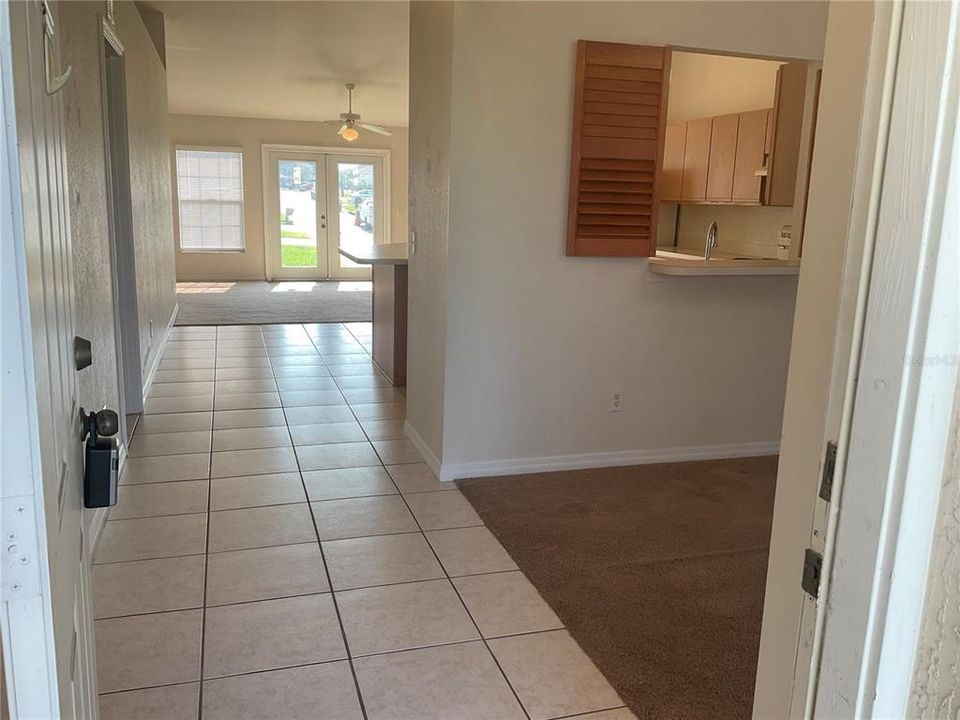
(349, 134)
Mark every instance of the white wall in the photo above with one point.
(536, 342)
(707, 85)
(250, 134)
(431, 65)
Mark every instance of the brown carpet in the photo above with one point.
(658, 571)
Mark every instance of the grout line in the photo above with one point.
(326, 569)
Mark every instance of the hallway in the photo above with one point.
(270, 466)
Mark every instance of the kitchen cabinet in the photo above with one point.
(786, 129)
(671, 179)
(750, 157)
(723, 151)
(696, 160)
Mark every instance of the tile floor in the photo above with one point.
(279, 550)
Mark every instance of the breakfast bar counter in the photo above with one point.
(389, 265)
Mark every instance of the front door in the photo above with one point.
(316, 202)
(46, 614)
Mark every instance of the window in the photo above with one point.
(210, 197)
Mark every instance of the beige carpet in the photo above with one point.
(252, 302)
(658, 571)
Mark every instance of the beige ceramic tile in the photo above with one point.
(366, 561)
(305, 398)
(178, 376)
(339, 455)
(552, 676)
(145, 650)
(243, 373)
(363, 381)
(380, 411)
(231, 419)
(358, 517)
(179, 389)
(170, 468)
(147, 586)
(174, 422)
(170, 443)
(505, 604)
(319, 692)
(316, 415)
(256, 490)
(326, 433)
(383, 429)
(311, 360)
(252, 350)
(352, 370)
(189, 403)
(250, 385)
(468, 551)
(442, 510)
(292, 384)
(156, 537)
(402, 617)
(263, 573)
(250, 438)
(348, 483)
(296, 371)
(155, 499)
(260, 527)
(247, 401)
(160, 703)
(417, 477)
(271, 634)
(359, 396)
(253, 462)
(397, 452)
(460, 682)
(244, 361)
(186, 363)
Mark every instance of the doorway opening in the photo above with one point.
(317, 202)
(120, 220)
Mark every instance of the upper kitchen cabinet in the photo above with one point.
(671, 179)
(723, 152)
(751, 153)
(696, 160)
(786, 131)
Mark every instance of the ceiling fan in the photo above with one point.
(350, 121)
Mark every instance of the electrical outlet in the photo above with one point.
(616, 401)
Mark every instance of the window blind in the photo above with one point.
(210, 198)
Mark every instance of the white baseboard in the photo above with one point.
(155, 362)
(425, 452)
(522, 466)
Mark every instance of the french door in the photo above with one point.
(316, 202)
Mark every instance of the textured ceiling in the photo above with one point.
(287, 60)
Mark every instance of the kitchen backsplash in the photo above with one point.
(742, 230)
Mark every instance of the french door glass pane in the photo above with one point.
(298, 214)
(357, 204)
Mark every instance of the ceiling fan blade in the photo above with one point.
(331, 122)
(374, 128)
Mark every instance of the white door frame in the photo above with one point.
(269, 223)
(899, 387)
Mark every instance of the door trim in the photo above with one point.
(267, 148)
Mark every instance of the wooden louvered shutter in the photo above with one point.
(619, 118)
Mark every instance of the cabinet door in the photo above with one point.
(672, 177)
(723, 151)
(787, 124)
(696, 160)
(751, 139)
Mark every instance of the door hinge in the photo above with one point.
(829, 467)
(812, 567)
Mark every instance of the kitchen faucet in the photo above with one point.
(711, 241)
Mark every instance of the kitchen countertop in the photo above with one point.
(674, 263)
(372, 254)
